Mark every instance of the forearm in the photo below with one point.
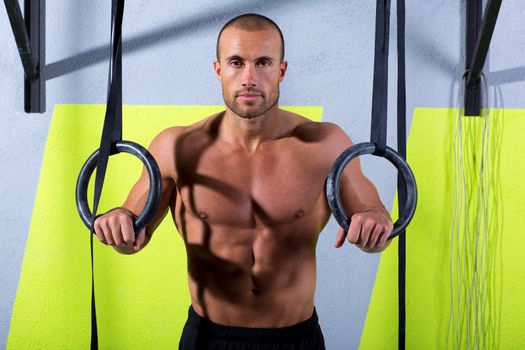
(358, 194)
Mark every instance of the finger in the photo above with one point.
(114, 224)
(139, 241)
(376, 235)
(388, 231)
(106, 230)
(341, 234)
(366, 233)
(354, 230)
(98, 230)
(128, 232)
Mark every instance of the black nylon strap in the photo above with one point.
(378, 126)
(378, 130)
(111, 134)
(401, 148)
(94, 333)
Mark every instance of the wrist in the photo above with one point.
(129, 212)
(379, 208)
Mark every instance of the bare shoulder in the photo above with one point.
(335, 135)
(165, 140)
(328, 135)
(166, 145)
(170, 137)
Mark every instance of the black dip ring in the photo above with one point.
(334, 177)
(153, 200)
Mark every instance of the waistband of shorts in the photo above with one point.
(302, 330)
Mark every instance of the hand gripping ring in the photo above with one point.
(154, 194)
(334, 177)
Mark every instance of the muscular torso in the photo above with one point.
(250, 222)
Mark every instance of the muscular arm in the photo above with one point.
(162, 149)
(358, 193)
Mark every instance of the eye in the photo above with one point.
(264, 63)
(235, 63)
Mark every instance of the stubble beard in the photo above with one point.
(266, 105)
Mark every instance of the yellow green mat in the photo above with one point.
(142, 299)
(430, 153)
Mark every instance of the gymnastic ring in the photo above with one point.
(154, 194)
(334, 177)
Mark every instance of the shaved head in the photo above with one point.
(251, 22)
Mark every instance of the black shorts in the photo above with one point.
(202, 334)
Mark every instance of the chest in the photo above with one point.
(278, 185)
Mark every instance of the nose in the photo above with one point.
(248, 76)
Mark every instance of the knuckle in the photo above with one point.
(352, 239)
(99, 223)
(103, 226)
(113, 219)
(123, 217)
(97, 229)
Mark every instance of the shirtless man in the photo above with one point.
(246, 192)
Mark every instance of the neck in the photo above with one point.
(250, 133)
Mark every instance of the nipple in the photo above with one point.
(299, 214)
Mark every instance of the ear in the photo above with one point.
(217, 68)
(282, 70)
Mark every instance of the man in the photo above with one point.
(246, 192)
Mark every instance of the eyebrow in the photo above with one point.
(264, 58)
(234, 57)
(237, 57)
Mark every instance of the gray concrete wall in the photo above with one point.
(169, 48)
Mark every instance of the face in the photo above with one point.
(250, 70)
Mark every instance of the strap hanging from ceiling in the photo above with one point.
(111, 143)
(407, 189)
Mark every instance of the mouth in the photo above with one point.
(249, 96)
